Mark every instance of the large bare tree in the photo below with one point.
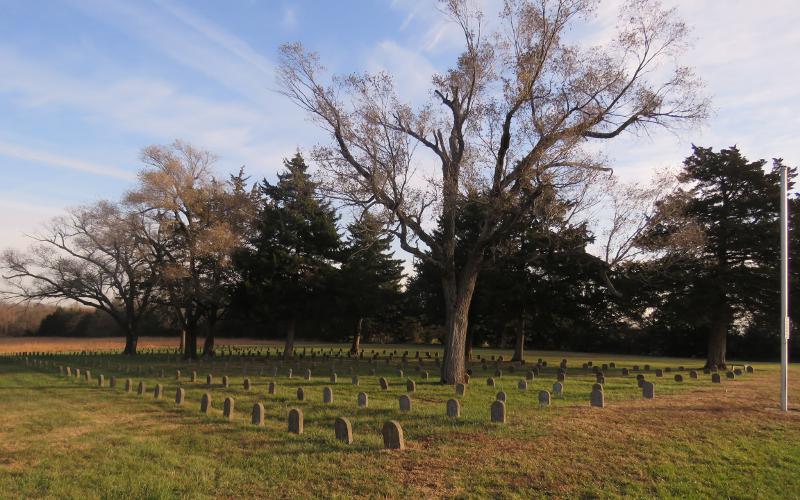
(191, 229)
(91, 256)
(510, 120)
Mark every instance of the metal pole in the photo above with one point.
(784, 293)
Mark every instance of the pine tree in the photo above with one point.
(288, 268)
(370, 276)
(733, 204)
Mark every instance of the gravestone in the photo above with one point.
(157, 391)
(625, 372)
(301, 395)
(343, 430)
(363, 400)
(87, 375)
(693, 374)
(490, 382)
(393, 436)
(498, 373)
(597, 397)
(271, 388)
(405, 403)
(461, 389)
(501, 396)
(308, 374)
(558, 389)
(522, 385)
(453, 408)
(257, 416)
(411, 386)
(529, 375)
(246, 384)
(112, 382)
(205, 403)
(749, 369)
(209, 379)
(659, 372)
(425, 375)
(140, 390)
(400, 373)
(561, 376)
(498, 412)
(678, 378)
(648, 390)
(384, 384)
(354, 380)
(737, 371)
(327, 395)
(227, 407)
(225, 381)
(180, 396)
(194, 376)
(289, 373)
(333, 378)
(177, 374)
(544, 398)
(730, 375)
(101, 380)
(296, 421)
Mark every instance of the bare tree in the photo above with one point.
(91, 257)
(188, 232)
(509, 121)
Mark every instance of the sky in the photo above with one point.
(86, 84)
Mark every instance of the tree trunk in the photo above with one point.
(208, 344)
(468, 346)
(519, 342)
(458, 297)
(131, 340)
(288, 348)
(190, 347)
(357, 337)
(718, 336)
(183, 340)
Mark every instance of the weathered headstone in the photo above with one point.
(715, 378)
(327, 395)
(271, 388)
(659, 372)
(522, 385)
(157, 391)
(343, 430)
(180, 396)
(101, 380)
(227, 407)
(333, 378)
(498, 412)
(194, 376)
(729, 374)
(384, 384)
(597, 397)
(257, 415)
(625, 372)
(205, 403)
(405, 403)
(226, 381)
(140, 390)
(461, 389)
(296, 421)
(393, 436)
(693, 374)
(411, 386)
(544, 398)
(453, 408)
(246, 385)
(648, 390)
(209, 379)
(301, 395)
(490, 382)
(112, 382)
(678, 377)
(501, 396)
(558, 389)
(308, 374)
(749, 369)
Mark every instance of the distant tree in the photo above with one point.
(93, 257)
(732, 203)
(189, 230)
(511, 119)
(287, 266)
(368, 283)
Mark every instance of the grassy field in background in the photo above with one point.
(66, 438)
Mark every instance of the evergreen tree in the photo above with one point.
(286, 272)
(369, 280)
(732, 274)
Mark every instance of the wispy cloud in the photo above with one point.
(28, 154)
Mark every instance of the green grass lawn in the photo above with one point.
(65, 438)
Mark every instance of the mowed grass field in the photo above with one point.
(67, 438)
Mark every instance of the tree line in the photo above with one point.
(493, 187)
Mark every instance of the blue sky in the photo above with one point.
(85, 84)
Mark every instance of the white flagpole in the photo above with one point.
(784, 293)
